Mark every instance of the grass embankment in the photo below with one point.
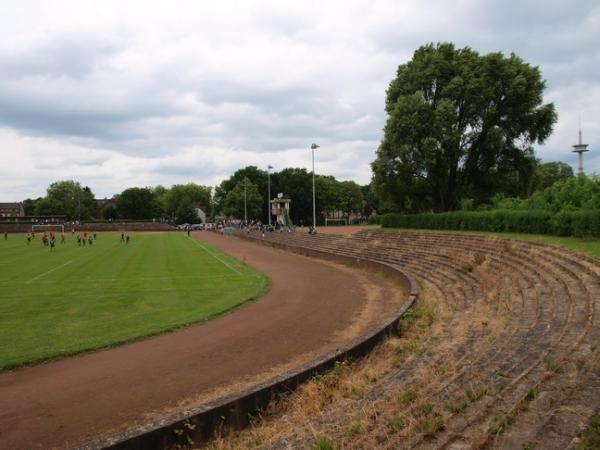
(591, 437)
(76, 299)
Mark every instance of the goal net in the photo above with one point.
(335, 221)
(42, 228)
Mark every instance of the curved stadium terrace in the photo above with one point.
(518, 345)
(512, 361)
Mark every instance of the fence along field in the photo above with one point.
(77, 298)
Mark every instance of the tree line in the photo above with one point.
(178, 203)
(332, 196)
(460, 134)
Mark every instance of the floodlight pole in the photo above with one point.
(269, 194)
(245, 202)
(313, 147)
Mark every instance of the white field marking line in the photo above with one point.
(108, 295)
(216, 257)
(99, 281)
(50, 271)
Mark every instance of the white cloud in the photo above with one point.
(117, 94)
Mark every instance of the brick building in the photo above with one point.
(11, 210)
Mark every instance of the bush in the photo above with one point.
(374, 219)
(578, 223)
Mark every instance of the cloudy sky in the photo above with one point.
(125, 93)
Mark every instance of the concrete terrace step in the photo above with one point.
(549, 298)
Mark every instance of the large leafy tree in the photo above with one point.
(549, 173)
(179, 201)
(234, 202)
(30, 206)
(49, 207)
(351, 197)
(138, 204)
(459, 125)
(69, 198)
(255, 176)
(328, 194)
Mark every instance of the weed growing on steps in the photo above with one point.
(409, 397)
(455, 406)
(397, 423)
(323, 444)
(531, 394)
(500, 423)
(353, 430)
(431, 425)
(426, 408)
(591, 437)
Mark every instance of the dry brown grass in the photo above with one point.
(343, 405)
(348, 382)
(442, 371)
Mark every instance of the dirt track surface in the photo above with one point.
(67, 403)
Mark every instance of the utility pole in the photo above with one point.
(269, 193)
(313, 147)
(245, 201)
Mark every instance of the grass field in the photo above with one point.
(75, 299)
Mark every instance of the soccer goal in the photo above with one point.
(42, 228)
(335, 221)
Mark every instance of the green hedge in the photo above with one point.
(565, 223)
(374, 220)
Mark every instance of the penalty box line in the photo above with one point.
(49, 271)
(217, 258)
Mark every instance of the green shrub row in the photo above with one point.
(375, 220)
(565, 223)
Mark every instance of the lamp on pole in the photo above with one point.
(313, 147)
(245, 202)
(269, 193)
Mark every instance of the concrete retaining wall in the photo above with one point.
(234, 411)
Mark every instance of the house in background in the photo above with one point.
(12, 210)
(200, 209)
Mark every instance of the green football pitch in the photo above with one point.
(74, 299)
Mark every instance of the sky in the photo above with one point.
(116, 94)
